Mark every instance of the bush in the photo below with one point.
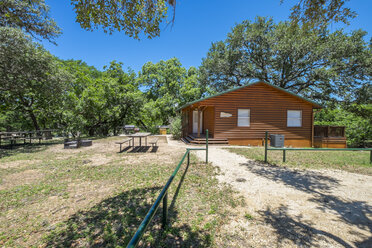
(176, 127)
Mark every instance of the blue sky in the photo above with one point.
(197, 25)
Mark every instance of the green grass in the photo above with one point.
(98, 197)
(352, 161)
(248, 216)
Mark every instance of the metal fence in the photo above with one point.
(284, 149)
(163, 196)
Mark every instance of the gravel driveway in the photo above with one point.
(295, 208)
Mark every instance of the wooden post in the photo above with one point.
(312, 128)
(198, 122)
(266, 134)
(206, 146)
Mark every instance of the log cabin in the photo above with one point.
(241, 116)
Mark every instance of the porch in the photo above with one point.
(195, 121)
(329, 137)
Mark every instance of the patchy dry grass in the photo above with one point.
(97, 197)
(352, 161)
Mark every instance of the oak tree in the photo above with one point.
(312, 62)
(32, 16)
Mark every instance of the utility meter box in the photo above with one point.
(276, 140)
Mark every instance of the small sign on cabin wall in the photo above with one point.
(225, 115)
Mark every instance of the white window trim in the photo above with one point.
(298, 110)
(249, 117)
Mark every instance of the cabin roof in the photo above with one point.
(316, 105)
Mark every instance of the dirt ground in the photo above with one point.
(44, 185)
(295, 208)
(282, 207)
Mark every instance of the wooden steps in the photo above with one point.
(185, 141)
(192, 139)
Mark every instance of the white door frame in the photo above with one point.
(195, 121)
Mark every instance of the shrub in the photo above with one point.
(176, 127)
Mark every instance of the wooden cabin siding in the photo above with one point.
(208, 120)
(268, 112)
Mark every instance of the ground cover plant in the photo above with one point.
(95, 196)
(352, 161)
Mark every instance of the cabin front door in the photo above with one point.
(195, 118)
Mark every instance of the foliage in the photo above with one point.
(168, 86)
(320, 13)
(150, 115)
(88, 101)
(315, 63)
(358, 128)
(31, 79)
(132, 17)
(99, 103)
(32, 16)
(136, 17)
(176, 127)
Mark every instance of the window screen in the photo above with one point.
(294, 118)
(243, 117)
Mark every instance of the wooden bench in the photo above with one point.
(154, 142)
(122, 142)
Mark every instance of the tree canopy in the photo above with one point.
(32, 16)
(41, 91)
(38, 90)
(132, 17)
(320, 13)
(31, 79)
(142, 17)
(315, 63)
(167, 86)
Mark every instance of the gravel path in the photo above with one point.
(296, 208)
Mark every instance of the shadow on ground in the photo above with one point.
(320, 188)
(7, 150)
(140, 149)
(309, 181)
(297, 230)
(112, 223)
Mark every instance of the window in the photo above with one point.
(243, 117)
(294, 118)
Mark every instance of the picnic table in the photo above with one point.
(25, 135)
(12, 137)
(140, 136)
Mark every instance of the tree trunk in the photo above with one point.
(91, 131)
(34, 120)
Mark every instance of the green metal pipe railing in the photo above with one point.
(163, 196)
(284, 149)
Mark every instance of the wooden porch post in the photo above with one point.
(198, 122)
(312, 128)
